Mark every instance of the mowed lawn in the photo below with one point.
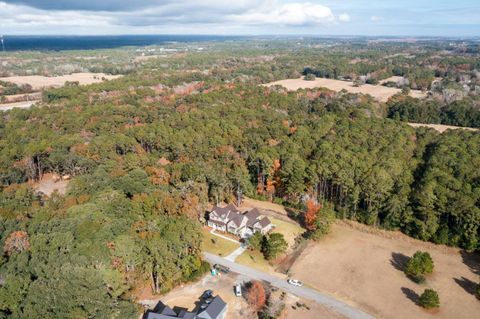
(290, 230)
(217, 245)
(256, 260)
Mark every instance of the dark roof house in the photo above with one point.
(217, 309)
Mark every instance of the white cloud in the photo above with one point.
(344, 17)
(291, 14)
(376, 18)
(157, 16)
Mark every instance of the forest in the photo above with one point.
(147, 154)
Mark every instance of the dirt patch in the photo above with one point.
(363, 266)
(187, 296)
(49, 184)
(381, 93)
(40, 82)
(442, 128)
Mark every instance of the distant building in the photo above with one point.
(230, 219)
(217, 309)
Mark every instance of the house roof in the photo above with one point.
(253, 214)
(214, 309)
(264, 222)
(186, 314)
(163, 309)
(224, 212)
(238, 219)
(154, 315)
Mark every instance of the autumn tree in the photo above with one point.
(256, 295)
(17, 241)
(311, 214)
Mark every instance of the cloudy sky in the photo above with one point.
(231, 17)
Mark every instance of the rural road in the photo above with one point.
(303, 292)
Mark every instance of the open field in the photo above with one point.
(363, 266)
(39, 82)
(381, 93)
(217, 245)
(19, 105)
(442, 128)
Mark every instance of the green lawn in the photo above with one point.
(290, 230)
(255, 260)
(216, 245)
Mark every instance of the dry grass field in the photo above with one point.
(362, 266)
(381, 93)
(442, 128)
(39, 82)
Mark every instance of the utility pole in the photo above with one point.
(239, 195)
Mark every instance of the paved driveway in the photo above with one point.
(302, 292)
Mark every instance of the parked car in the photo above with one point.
(221, 268)
(238, 290)
(295, 282)
(207, 294)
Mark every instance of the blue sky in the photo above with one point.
(316, 17)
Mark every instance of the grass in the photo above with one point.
(216, 245)
(255, 260)
(289, 230)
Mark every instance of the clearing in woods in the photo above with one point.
(363, 266)
(39, 82)
(379, 92)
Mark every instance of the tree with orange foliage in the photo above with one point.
(311, 214)
(256, 295)
(17, 241)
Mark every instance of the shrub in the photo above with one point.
(419, 265)
(274, 245)
(429, 299)
(310, 77)
(255, 241)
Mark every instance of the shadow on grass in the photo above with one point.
(399, 261)
(467, 285)
(472, 260)
(412, 295)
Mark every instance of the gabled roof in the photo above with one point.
(214, 309)
(225, 212)
(153, 315)
(238, 220)
(186, 314)
(163, 309)
(253, 214)
(264, 222)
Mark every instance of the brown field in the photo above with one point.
(20, 105)
(39, 82)
(362, 266)
(381, 93)
(442, 128)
